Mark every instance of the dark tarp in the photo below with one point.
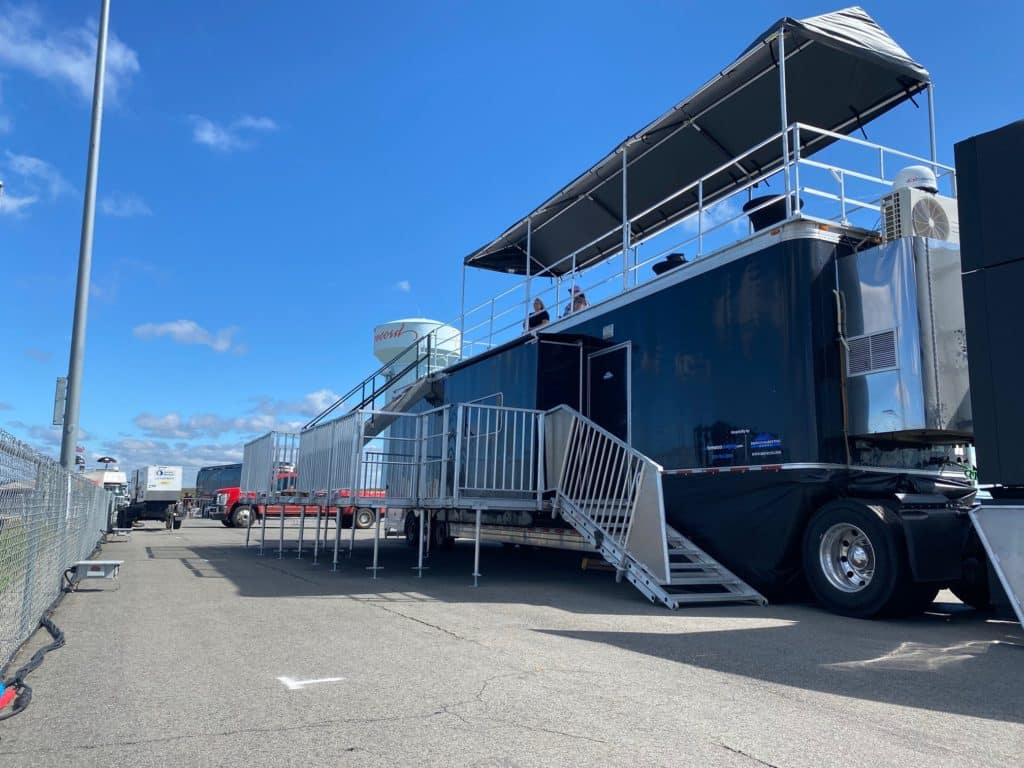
(842, 70)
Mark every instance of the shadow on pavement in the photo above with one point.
(951, 660)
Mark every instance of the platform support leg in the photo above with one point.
(263, 528)
(376, 539)
(280, 536)
(337, 536)
(476, 552)
(352, 538)
(302, 528)
(316, 539)
(419, 544)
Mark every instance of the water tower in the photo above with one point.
(399, 343)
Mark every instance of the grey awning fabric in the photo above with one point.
(842, 70)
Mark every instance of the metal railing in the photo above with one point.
(602, 485)
(49, 519)
(470, 455)
(267, 463)
(843, 184)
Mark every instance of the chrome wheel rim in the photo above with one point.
(242, 517)
(847, 558)
(364, 519)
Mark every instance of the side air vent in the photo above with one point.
(871, 353)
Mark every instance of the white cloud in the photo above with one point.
(12, 205)
(716, 215)
(228, 138)
(124, 206)
(39, 173)
(6, 407)
(66, 56)
(132, 453)
(404, 286)
(46, 436)
(190, 332)
(174, 426)
(253, 123)
(311, 404)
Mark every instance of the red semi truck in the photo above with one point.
(237, 510)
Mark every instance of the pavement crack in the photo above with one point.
(747, 755)
(438, 627)
(233, 732)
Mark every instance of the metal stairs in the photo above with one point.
(612, 495)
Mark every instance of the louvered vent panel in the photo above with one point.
(875, 352)
(883, 350)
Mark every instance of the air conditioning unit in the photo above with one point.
(908, 211)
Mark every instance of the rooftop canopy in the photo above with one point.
(841, 71)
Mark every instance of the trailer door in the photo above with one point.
(608, 389)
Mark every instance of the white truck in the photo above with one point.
(154, 491)
(113, 480)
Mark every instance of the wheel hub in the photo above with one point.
(847, 557)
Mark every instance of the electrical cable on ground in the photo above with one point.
(22, 692)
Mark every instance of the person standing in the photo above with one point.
(539, 317)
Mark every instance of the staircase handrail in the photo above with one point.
(361, 386)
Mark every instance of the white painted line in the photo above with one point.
(298, 685)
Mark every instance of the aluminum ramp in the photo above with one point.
(1001, 530)
(612, 495)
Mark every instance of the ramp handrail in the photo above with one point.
(607, 482)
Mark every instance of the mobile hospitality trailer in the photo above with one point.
(788, 405)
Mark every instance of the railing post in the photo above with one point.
(462, 312)
(700, 218)
(302, 529)
(459, 416)
(490, 327)
(931, 129)
(796, 167)
(625, 221)
(541, 465)
(529, 238)
(784, 114)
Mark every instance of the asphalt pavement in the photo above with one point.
(205, 654)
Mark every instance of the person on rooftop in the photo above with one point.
(539, 317)
(579, 301)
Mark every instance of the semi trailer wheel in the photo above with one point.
(177, 524)
(243, 517)
(364, 518)
(855, 562)
(412, 529)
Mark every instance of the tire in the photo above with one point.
(973, 588)
(177, 524)
(412, 530)
(226, 522)
(242, 517)
(439, 538)
(855, 560)
(363, 518)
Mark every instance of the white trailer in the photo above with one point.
(155, 489)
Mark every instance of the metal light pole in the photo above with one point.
(70, 437)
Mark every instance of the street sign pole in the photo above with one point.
(70, 436)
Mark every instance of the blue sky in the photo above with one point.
(278, 178)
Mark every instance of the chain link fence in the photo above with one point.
(49, 519)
